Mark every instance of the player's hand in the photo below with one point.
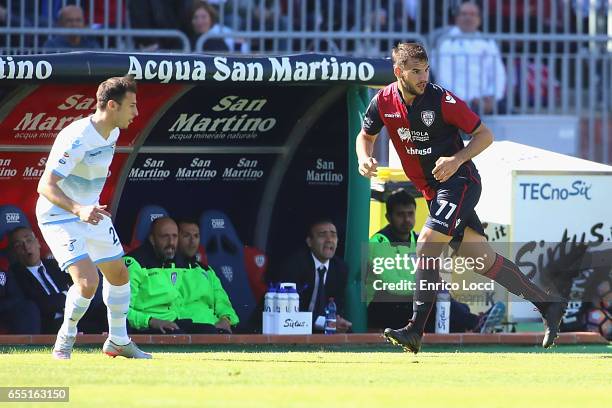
(445, 168)
(367, 168)
(224, 324)
(342, 325)
(92, 214)
(162, 325)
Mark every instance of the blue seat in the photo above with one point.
(225, 253)
(11, 217)
(145, 217)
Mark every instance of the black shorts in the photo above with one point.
(452, 209)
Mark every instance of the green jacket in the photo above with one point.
(204, 299)
(154, 289)
(384, 244)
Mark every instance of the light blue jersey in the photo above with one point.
(81, 157)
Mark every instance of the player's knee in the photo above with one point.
(88, 285)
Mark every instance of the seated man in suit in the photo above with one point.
(18, 315)
(205, 302)
(44, 283)
(318, 273)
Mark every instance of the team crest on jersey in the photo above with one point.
(404, 134)
(260, 261)
(428, 117)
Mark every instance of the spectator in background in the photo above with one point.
(471, 65)
(46, 285)
(158, 14)
(18, 315)
(204, 21)
(71, 17)
(319, 274)
(204, 301)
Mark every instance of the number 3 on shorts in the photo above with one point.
(443, 206)
(111, 231)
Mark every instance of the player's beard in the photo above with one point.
(408, 89)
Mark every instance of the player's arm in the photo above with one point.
(460, 115)
(372, 124)
(365, 148)
(482, 138)
(48, 188)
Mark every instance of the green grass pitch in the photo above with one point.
(310, 376)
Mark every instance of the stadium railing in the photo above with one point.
(121, 38)
(557, 54)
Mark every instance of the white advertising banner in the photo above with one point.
(552, 209)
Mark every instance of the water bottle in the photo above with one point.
(443, 312)
(269, 299)
(330, 317)
(282, 300)
(294, 300)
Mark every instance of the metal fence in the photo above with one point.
(556, 54)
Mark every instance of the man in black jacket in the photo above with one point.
(46, 285)
(18, 315)
(319, 274)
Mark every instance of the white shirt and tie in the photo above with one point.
(315, 291)
(46, 280)
(42, 276)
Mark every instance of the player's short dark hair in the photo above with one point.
(114, 89)
(397, 198)
(403, 52)
(187, 221)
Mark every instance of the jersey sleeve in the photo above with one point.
(137, 319)
(372, 123)
(65, 155)
(457, 113)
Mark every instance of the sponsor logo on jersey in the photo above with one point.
(448, 98)
(173, 276)
(393, 115)
(457, 222)
(435, 221)
(420, 152)
(428, 117)
(62, 161)
(418, 136)
(404, 134)
(2, 278)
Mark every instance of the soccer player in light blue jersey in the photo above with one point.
(78, 230)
